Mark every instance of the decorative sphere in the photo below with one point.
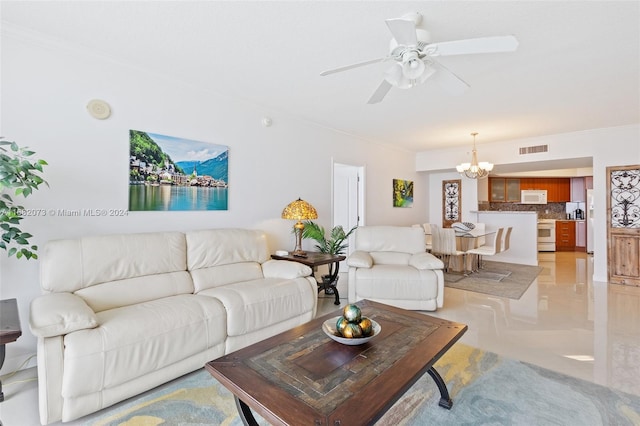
(341, 324)
(352, 313)
(367, 326)
(352, 331)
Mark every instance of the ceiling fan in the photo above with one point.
(413, 57)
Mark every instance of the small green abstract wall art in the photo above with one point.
(402, 193)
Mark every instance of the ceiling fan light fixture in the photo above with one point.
(395, 76)
(412, 65)
(475, 169)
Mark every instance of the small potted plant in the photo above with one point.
(20, 175)
(335, 243)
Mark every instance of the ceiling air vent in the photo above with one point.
(533, 149)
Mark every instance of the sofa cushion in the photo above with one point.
(216, 247)
(396, 282)
(114, 294)
(135, 340)
(390, 238)
(253, 305)
(69, 265)
(216, 276)
(390, 258)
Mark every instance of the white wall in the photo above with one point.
(614, 146)
(45, 90)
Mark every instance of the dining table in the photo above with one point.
(468, 240)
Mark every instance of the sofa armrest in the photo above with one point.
(425, 261)
(56, 314)
(360, 259)
(285, 269)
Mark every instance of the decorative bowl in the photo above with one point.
(329, 328)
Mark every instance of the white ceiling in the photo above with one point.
(576, 68)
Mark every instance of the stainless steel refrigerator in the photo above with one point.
(589, 220)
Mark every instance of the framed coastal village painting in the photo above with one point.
(402, 193)
(168, 173)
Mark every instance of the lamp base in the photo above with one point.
(299, 253)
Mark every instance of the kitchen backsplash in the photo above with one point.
(545, 211)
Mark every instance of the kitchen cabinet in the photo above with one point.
(551, 185)
(513, 190)
(558, 189)
(581, 235)
(504, 190)
(578, 191)
(528, 183)
(497, 190)
(564, 190)
(565, 235)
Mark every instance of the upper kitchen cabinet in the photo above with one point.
(552, 187)
(564, 190)
(513, 190)
(504, 190)
(578, 190)
(558, 189)
(528, 183)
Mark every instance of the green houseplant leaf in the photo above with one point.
(335, 243)
(20, 175)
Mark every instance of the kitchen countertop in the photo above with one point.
(501, 212)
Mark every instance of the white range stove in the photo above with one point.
(546, 235)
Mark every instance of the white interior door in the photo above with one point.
(348, 197)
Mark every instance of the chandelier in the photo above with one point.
(475, 170)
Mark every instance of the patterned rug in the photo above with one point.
(501, 279)
(486, 390)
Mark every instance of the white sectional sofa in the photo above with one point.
(390, 265)
(122, 314)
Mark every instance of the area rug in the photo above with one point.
(501, 279)
(486, 389)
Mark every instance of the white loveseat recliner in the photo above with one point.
(126, 313)
(390, 265)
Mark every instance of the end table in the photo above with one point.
(315, 259)
(9, 329)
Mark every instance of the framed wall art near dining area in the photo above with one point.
(451, 202)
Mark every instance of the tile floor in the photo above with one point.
(564, 322)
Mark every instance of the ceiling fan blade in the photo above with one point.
(473, 45)
(448, 80)
(404, 31)
(380, 92)
(359, 64)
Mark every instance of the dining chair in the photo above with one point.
(480, 227)
(444, 245)
(428, 236)
(490, 249)
(505, 239)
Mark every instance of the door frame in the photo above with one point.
(359, 193)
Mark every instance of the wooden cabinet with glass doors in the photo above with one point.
(504, 190)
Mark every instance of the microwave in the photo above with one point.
(533, 196)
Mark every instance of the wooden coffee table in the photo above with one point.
(301, 376)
